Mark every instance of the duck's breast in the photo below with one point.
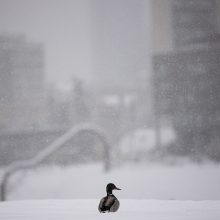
(102, 204)
(115, 206)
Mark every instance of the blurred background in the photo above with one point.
(98, 91)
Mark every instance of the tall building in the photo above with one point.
(186, 79)
(22, 92)
(120, 36)
(180, 23)
(193, 20)
(121, 57)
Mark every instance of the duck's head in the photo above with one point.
(111, 187)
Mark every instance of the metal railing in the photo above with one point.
(57, 144)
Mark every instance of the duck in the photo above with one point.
(109, 203)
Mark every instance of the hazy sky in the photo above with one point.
(72, 32)
(62, 25)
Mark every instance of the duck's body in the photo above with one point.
(109, 203)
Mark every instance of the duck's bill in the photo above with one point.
(117, 188)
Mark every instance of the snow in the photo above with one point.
(129, 210)
(138, 181)
(149, 191)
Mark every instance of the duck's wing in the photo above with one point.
(101, 207)
(115, 206)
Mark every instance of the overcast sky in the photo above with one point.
(63, 27)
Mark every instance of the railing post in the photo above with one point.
(2, 192)
(3, 187)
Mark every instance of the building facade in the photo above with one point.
(193, 20)
(186, 80)
(22, 92)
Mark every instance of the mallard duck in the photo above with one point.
(109, 203)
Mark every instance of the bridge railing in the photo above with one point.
(54, 146)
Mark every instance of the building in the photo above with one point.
(187, 93)
(186, 79)
(119, 31)
(193, 20)
(23, 103)
(179, 23)
(121, 54)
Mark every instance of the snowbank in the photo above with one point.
(129, 210)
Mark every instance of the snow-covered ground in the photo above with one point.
(149, 191)
(129, 210)
(184, 181)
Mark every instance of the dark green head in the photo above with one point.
(111, 187)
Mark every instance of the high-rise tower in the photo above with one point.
(22, 92)
(193, 21)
